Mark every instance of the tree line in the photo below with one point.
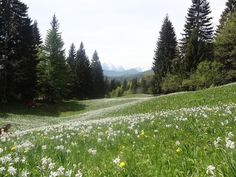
(31, 68)
(202, 57)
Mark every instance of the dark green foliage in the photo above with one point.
(17, 53)
(229, 10)
(83, 75)
(97, 77)
(164, 54)
(71, 64)
(171, 83)
(207, 74)
(52, 67)
(197, 37)
(134, 85)
(125, 85)
(225, 43)
(36, 34)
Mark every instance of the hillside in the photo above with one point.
(183, 134)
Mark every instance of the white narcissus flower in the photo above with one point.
(229, 144)
(25, 173)
(210, 170)
(78, 174)
(11, 170)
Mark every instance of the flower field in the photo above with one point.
(196, 139)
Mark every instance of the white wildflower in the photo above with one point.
(92, 151)
(116, 160)
(44, 147)
(210, 170)
(230, 135)
(177, 143)
(78, 174)
(25, 173)
(229, 144)
(11, 170)
(2, 169)
(68, 173)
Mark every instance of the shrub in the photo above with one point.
(207, 74)
(171, 83)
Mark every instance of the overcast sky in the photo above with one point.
(124, 32)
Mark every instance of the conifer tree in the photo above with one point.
(229, 10)
(17, 52)
(36, 34)
(164, 54)
(54, 75)
(225, 44)
(197, 36)
(97, 77)
(83, 74)
(71, 63)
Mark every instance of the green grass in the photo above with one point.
(211, 96)
(23, 117)
(177, 135)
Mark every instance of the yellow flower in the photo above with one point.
(122, 164)
(178, 150)
(13, 148)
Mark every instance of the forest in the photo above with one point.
(33, 69)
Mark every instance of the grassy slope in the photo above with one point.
(160, 143)
(22, 117)
(211, 97)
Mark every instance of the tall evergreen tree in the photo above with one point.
(164, 54)
(71, 63)
(197, 36)
(225, 44)
(97, 76)
(71, 59)
(54, 75)
(229, 10)
(17, 52)
(36, 34)
(83, 74)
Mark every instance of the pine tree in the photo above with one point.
(17, 52)
(225, 44)
(36, 34)
(198, 31)
(71, 63)
(72, 57)
(97, 77)
(54, 75)
(83, 74)
(164, 54)
(229, 10)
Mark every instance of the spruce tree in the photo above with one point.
(71, 63)
(197, 36)
(36, 34)
(229, 10)
(97, 77)
(225, 44)
(55, 72)
(164, 54)
(17, 52)
(83, 74)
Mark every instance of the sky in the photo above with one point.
(124, 32)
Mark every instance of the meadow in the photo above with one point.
(185, 134)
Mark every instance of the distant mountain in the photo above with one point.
(112, 73)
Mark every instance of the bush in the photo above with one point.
(171, 83)
(207, 74)
(118, 92)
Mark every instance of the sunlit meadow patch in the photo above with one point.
(183, 142)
